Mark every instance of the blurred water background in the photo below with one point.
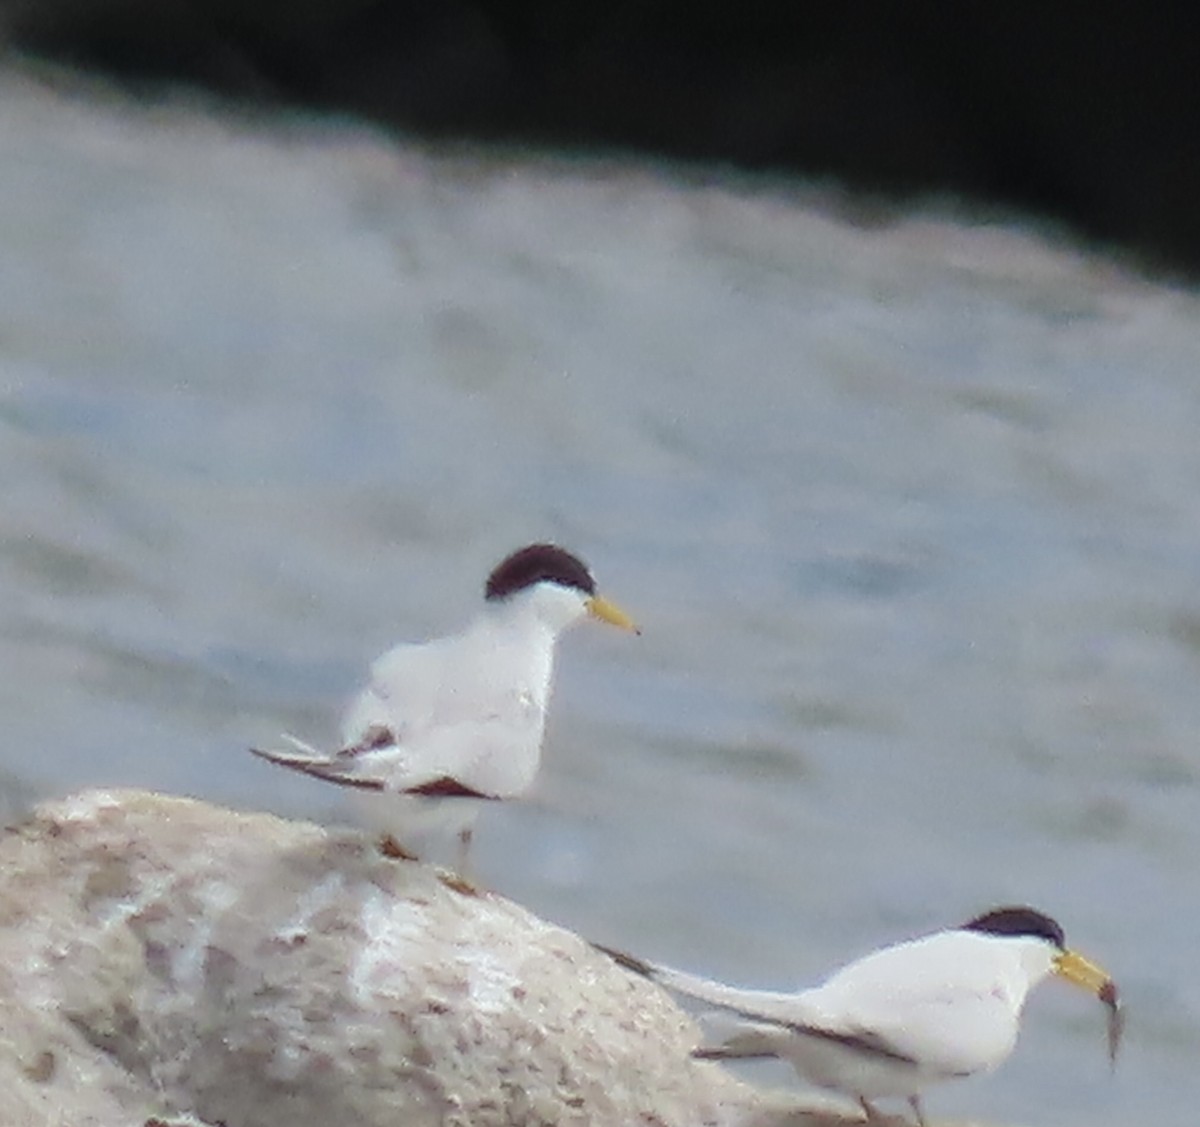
(907, 505)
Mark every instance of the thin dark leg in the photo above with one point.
(915, 1103)
(459, 881)
(464, 852)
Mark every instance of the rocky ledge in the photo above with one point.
(166, 962)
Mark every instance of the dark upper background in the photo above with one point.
(1079, 112)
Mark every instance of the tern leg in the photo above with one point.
(869, 1111)
(915, 1103)
(464, 850)
(460, 881)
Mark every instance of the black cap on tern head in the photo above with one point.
(1018, 921)
(538, 563)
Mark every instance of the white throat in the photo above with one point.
(1027, 961)
(545, 608)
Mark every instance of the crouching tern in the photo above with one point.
(905, 1017)
(446, 724)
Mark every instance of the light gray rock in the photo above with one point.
(163, 959)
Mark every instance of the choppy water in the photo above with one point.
(910, 515)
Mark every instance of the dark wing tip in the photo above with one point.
(328, 772)
(447, 787)
(863, 1041)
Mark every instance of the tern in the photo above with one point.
(944, 1006)
(446, 724)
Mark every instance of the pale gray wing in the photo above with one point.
(949, 1034)
(401, 693)
(930, 1007)
(368, 765)
(942, 1001)
(437, 716)
(751, 1023)
(754, 1004)
(731, 1037)
(756, 1023)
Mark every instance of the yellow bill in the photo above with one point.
(1083, 972)
(605, 611)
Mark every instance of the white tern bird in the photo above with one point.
(902, 1018)
(446, 724)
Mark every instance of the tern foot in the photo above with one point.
(390, 847)
(871, 1112)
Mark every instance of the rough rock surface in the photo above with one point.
(164, 961)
